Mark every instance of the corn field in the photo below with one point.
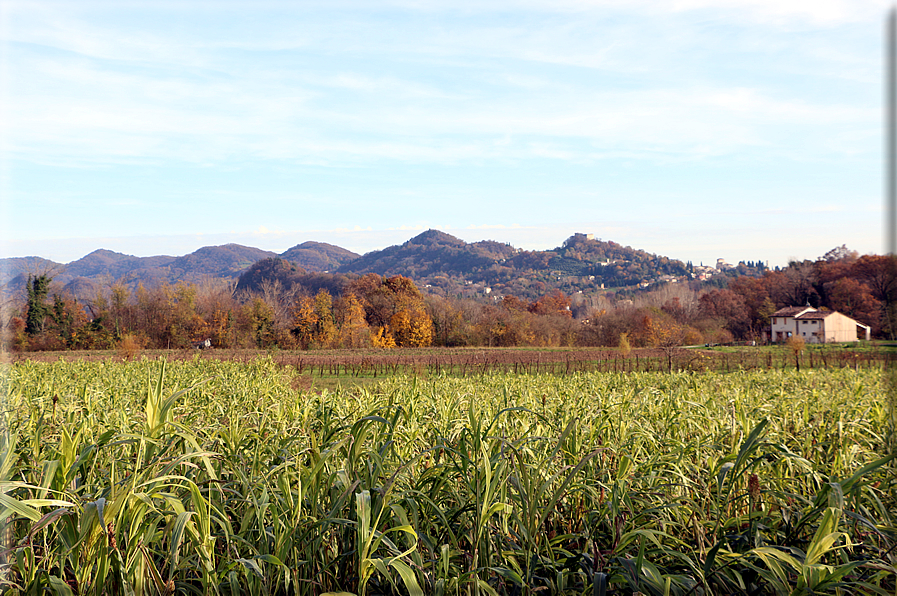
(212, 477)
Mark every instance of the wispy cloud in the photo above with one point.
(112, 95)
(414, 99)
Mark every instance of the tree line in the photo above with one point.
(384, 312)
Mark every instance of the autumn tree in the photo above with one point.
(756, 302)
(382, 338)
(280, 300)
(493, 326)
(668, 335)
(554, 303)
(121, 312)
(798, 287)
(216, 305)
(624, 345)
(395, 304)
(412, 327)
(729, 307)
(452, 320)
(514, 304)
(377, 299)
(831, 268)
(795, 345)
(854, 299)
(305, 322)
(151, 316)
(185, 325)
(262, 322)
(67, 320)
(879, 273)
(325, 329)
(352, 329)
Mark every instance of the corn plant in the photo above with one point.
(206, 477)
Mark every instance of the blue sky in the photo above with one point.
(697, 129)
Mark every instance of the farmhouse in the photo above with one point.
(815, 326)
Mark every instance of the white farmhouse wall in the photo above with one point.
(784, 327)
(840, 328)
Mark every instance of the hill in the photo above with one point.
(318, 256)
(439, 263)
(14, 267)
(115, 265)
(445, 264)
(84, 277)
(432, 253)
(281, 275)
(227, 262)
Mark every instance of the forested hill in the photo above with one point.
(438, 262)
(318, 256)
(430, 254)
(447, 263)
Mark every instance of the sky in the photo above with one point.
(695, 129)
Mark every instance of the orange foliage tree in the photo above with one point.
(395, 308)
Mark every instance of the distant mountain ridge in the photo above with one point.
(83, 277)
(433, 259)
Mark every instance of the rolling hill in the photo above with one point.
(438, 262)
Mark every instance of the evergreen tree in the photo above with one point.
(38, 287)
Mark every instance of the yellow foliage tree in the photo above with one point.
(261, 319)
(305, 321)
(349, 318)
(625, 346)
(668, 335)
(324, 327)
(220, 328)
(382, 338)
(412, 328)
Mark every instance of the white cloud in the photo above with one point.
(156, 95)
(464, 86)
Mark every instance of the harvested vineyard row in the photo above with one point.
(217, 477)
(477, 362)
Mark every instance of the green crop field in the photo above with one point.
(213, 477)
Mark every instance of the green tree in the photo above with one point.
(38, 287)
(63, 316)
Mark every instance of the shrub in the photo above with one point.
(128, 347)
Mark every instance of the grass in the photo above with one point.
(218, 477)
(877, 346)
